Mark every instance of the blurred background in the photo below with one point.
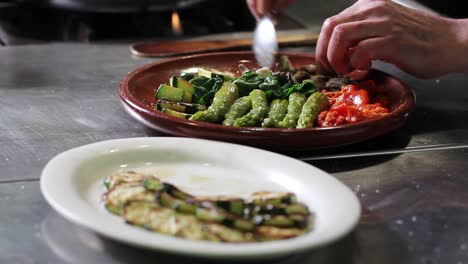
(35, 21)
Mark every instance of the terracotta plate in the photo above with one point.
(137, 92)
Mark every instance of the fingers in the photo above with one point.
(326, 32)
(273, 8)
(347, 35)
(252, 4)
(358, 75)
(380, 48)
(335, 34)
(264, 7)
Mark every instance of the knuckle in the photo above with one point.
(387, 23)
(339, 32)
(330, 22)
(376, 6)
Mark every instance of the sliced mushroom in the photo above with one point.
(337, 83)
(284, 64)
(311, 68)
(319, 80)
(243, 69)
(300, 76)
(284, 77)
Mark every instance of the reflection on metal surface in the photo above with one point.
(73, 244)
(388, 152)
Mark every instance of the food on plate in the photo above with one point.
(222, 101)
(239, 108)
(259, 108)
(315, 104)
(295, 104)
(285, 98)
(352, 104)
(147, 202)
(278, 109)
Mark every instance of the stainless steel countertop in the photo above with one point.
(59, 96)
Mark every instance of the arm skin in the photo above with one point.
(421, 44)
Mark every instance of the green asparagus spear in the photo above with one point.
(296, 101)
(240, 107)
(258, 111)
(277, 112)
(222, 101)
(316, 103)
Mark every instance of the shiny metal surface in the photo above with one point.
(59, 96)
(411, 214)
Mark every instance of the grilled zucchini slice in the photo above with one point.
(232, 205)
(147, 202)
(121, 193)
(153, 184)
(163, 220)
(176, 192)
(264, 198)
(124, 177)
(180, 106)
(267, 233)
(227, 234)
(211, 73)
(282, 209)
(221, 217)
(167, 200)
(173, 94)
(175, 113)
(181, 83)
(299, 221)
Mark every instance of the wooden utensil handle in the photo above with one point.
(172, 48)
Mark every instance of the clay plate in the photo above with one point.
(138, 88)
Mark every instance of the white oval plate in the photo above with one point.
(72, 183)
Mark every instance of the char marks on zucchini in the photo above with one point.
(147, 202)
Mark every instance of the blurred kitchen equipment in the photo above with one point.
(37, 21)
(191, 46)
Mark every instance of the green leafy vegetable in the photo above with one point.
(205, 88)
(274, 85)
(270, 83)
(306, 87)
(248, 82)
(187, 76)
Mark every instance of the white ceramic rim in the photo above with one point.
(57, 186)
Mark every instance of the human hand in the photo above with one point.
(274, 8)
(421, 44)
